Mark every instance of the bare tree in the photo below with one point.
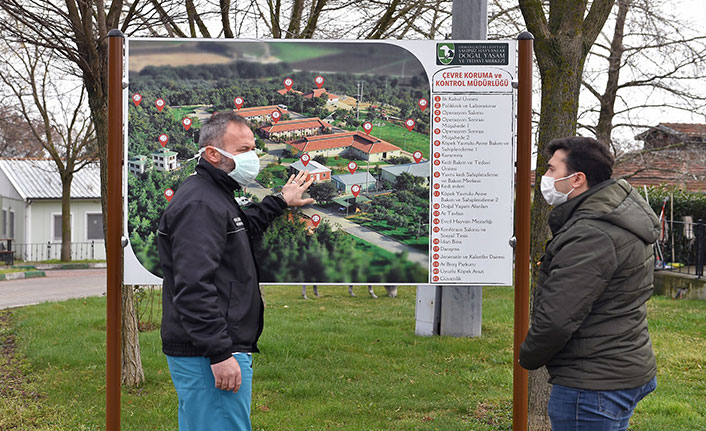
(564, 32)
(63, 130)
(16, 139)
(655, 62)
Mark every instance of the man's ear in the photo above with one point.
(211, 155)
(580, 180)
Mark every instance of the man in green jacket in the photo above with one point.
(590, 326)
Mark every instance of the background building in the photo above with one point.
(30, 195)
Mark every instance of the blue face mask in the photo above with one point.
(247, 166)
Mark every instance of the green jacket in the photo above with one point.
(590, 326)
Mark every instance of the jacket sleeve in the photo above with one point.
(583, 263)
(260, 215)
(198, 234)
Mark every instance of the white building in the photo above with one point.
(30, 196)
(421, 170)
(164, 160)
(137, 165)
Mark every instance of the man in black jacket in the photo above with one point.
(212, 309)
(590, 326)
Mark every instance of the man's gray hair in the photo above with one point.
(213, 130)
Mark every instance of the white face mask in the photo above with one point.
(551, 194)
(247, 166)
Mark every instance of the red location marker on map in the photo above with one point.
(436, 248)
(437, 174)
(352, 166)
(417, 156)
(437, 143)
(276, 116)
(319, 80)
(288, 82)
(437, 98)
(163, 140)
(368, 127)
(409, 124)
(186, 122)
(436, 207)
(305, 159)
(436, 240)
(136, 99)
(169, 194)
(238, 101)
(423, 103)
(436, 278)
(355, 189)
(159, 103)
(316, 219)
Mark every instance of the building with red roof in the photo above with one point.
(283, 91)
(354, 145)
(295, 128)
(318, 92)
(673, 154)
(261, 114)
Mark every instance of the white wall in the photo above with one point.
(42, 225)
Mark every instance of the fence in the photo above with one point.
(37, 252)
(681, 247)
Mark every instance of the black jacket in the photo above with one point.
(211, 296)
(590, 325)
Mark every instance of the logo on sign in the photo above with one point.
(445, 52)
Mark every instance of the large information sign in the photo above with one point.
(410, 142)
(472, 170)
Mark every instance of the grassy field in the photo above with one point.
(400, 136)
(405, 235)
(331, 363)
(293, 52)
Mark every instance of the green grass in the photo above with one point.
(269, 173)
(335, 363)
(9, 270)
(295, 52)
(403, 234)
(400, 136)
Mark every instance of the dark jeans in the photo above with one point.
(583, 410)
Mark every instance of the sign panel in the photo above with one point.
(410, 143)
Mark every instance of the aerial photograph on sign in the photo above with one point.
(352, 114)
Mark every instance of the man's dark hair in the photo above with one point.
(212, 131)
(585, 155)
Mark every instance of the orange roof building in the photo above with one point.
(259, 114)
(283, 91)
(355, 145)
(318, 92)
(295, 128)
(672, 154)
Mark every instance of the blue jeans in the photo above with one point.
(202, 406)
(583, 410)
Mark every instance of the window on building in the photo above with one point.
(94, 226)
(4, 223)
(57, 227)
(11, 226)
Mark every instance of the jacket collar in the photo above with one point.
(563, 213)
(219, 178)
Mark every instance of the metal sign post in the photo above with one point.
(522, 227)
(114, 250)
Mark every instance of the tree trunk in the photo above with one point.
(132, 373)
(604, 127)
(561, 81)
(66, 217)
